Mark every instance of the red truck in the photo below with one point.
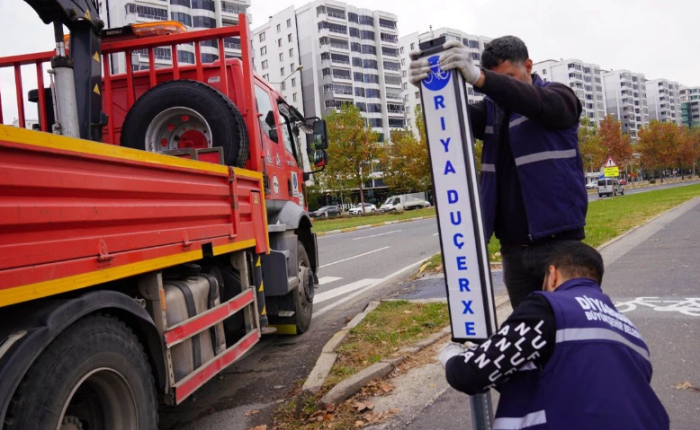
(143, 257)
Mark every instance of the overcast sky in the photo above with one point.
(658, 38)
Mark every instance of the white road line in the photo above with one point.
(352, 258)
(375, 235)
(363, 290)
(335, 292)
(435, 234)
(327, 280)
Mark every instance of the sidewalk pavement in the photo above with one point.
(653, 275)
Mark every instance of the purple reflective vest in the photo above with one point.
(550, 170)
(597, 378)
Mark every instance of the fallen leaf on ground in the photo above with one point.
(252, 412)
(686, 386)
(394, 410)
(359, 424)
(260, 427)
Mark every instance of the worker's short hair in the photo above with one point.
(506, 48)
(577, 260)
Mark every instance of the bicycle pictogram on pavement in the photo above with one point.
(685, 306)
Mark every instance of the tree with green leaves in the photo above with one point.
(404, 162)
(354, 147)
(590, 144)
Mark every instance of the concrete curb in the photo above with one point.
(364, 227)
(325, 361)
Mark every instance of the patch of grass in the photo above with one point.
(321, 225)
(390, 327)
(610, 217)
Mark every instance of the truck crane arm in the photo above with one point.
(77, 94)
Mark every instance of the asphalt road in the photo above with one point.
(628, 191)
(355, 268)
(652, 276)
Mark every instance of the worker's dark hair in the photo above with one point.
(506, 48)
(577, 260)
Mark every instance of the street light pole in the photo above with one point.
(298, 69)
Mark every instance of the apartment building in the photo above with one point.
(195, 14)
(408, 43)
(583, 78)
(276, 57)
(626, 100)
(690, 106)
(663, 97)
(347, 54)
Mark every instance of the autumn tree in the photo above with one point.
(354, 147)
(405, 164)
(657, 145)
(590, 145)
(615, 143)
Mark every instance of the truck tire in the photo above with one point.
(304, 294)
(95, 375)
(186, 114)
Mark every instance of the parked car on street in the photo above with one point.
(404, 202)
(623, 181)
(325, 212)
(591, 186)
(610, 187)
(369, 208)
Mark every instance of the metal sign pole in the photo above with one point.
(460, 225)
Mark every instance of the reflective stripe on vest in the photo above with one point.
(574, 334)
(546, 155)
(529, 420)
(488, 167)
(518, 121)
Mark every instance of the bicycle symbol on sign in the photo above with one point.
(687, 306)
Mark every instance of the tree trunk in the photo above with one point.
(362, 197)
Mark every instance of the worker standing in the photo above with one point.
(565, 358)
(532, 183)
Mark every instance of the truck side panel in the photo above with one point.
(74, 213)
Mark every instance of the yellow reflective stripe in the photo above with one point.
(38, 290)
(285, 328)
(80, 146)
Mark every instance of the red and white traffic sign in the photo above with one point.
(610, 163)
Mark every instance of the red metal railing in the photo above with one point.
(127, 47)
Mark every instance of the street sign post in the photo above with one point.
(464, 252)
(610, 170)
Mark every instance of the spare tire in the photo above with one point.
(186, 114)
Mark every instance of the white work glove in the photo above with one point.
(450, 350)
(456, 56)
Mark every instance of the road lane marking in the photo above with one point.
(327, 280)
(435, 234)
(375, 235)
(365, 289)
(352, 258)
(335, 292)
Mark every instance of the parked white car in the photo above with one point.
(369, 208)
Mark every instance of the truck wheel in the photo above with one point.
(95, 376)
(186, 114)
(304, 294)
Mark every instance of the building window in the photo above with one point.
(263, 50)
(355, 47)
(264, 65)
(294, 97)
(185, 3)
(289, 23)
(390, 65)
(182, 18)
(279, 43)
(369, 64)
(366, 20)
(387, 23)
(185, 57)
(262, 36)
(229, 7)
(204, 4)
(369, 49)
(281, 56)
(294, 82)
(392, 38)
(147, 12)
(266, 77)
(283, 85)
(366, 34)
(405, 86)
(403, 73)
(282, 71)
(289, 37)
(279, 28)
(544, 72)
(413, 46)
(354, 32)
(291, 52)
(209, 58)
(291, 67)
